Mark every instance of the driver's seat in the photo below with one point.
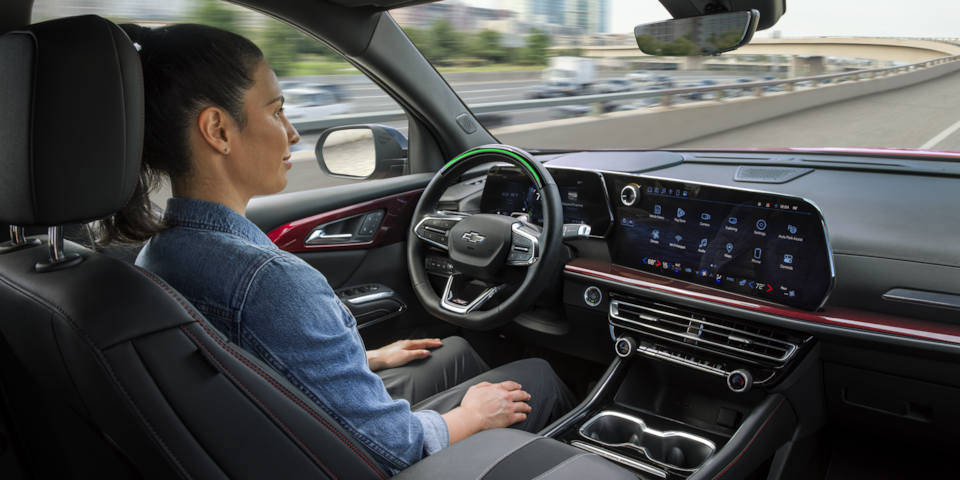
(130, 356)
(121, 348)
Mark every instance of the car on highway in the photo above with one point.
(553, 89)
(313, 103)
(615, 85)
(640, 76)
(765, 288)
(701, 95)
(664, 81)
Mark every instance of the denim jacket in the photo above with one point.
(281, 309)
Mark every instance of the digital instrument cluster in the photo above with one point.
(764, 245)
(508, 191)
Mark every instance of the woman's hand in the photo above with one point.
(400, 353)
(485, 406)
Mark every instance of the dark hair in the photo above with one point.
(186, 68)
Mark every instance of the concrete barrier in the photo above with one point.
(663, 126)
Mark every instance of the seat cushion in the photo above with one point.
(507, 454)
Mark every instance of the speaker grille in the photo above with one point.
(749, 173)
(466, 123)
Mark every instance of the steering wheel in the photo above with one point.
(494, 257)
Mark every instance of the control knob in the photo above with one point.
(626, 346)
(740, 380)
(629, 194)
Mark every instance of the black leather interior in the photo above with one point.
(81, 71)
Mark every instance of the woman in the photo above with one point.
(214, 125)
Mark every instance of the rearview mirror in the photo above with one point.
(362, 152)
(704, 35)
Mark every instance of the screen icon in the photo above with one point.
(704, 272)
(743, 282)
(656, 234)
(678, 237)
(729, 247)
(756, 253)
(732, 220)
(761, 224)
(678, 192)
(649, 189)
(719, 278)
(671, 191)
(680, 212)
(787, 258)
(791, 229)
(792, 293)
(704, 216)
(688, 270)
(656, 190)
(656, 209)
(623, 221)
(703, 243)
(630, 222)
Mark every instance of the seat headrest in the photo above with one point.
(71, 121)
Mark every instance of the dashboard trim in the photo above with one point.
(830, 315)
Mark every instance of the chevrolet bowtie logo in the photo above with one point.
(473, 237)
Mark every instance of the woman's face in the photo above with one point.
(261, 157)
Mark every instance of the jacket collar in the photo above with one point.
(203, 215)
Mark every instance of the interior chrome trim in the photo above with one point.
(615, 313)
(648, 430)
(372, 297)
(475, 304)
(586, 406)
(438, 216)
(55, 240)
(318, 237)
(16, 235)
(662, 355)
(619, 459)
(517, 229)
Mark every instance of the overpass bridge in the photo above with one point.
(807, 53)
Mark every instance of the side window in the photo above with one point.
(321, 89)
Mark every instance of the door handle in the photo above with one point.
(317, 236)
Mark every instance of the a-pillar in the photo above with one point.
(805, 66)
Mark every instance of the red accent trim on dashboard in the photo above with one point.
(830, 315)
(393, 229)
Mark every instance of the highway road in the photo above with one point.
(926, 116)
(923, 116)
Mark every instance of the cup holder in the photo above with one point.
(677, 450)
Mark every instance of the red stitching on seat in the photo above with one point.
(751, 440)
(266, 377)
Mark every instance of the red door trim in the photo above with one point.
(393, 228)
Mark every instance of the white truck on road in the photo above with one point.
(578, 70)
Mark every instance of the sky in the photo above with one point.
(816, 18)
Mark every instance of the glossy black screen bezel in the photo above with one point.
(822, 254)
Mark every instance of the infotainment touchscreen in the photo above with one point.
(508, 191)
(765, 245)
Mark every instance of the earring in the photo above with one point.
(226, 150)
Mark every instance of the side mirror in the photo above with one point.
(362, 152)
(703, 35)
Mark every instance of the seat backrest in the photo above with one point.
(121, 348)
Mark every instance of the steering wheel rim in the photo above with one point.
(546, 246)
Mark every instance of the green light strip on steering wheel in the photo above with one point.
(496, 150)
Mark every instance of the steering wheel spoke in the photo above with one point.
(454, 302)
(435, 229)
(525, 245)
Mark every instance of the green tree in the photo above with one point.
(649, 45)
(486, 45)
(535, 52)
(680, 46)
(217, 14)
(279, 44)
(446, 41)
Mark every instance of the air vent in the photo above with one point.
(708, 332)
(466, 123)
(748, 173)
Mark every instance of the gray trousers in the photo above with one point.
(440, 381)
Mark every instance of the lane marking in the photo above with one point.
(941, 136)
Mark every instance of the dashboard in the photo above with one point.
(765, 245)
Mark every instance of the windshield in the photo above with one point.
(837, 75)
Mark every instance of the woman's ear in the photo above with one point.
(214, 130)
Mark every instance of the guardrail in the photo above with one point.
(667, 96)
